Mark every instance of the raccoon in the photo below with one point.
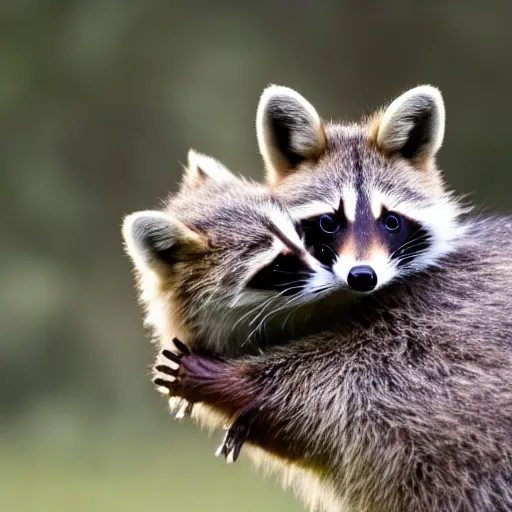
(407, 406)
(219, 261)
(221, 267)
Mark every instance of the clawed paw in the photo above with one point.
(166, 378)
(235, 438)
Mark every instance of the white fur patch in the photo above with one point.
(349, 196)
(379, 262)
(322, 279)
(313, 209)
(285, 225)
(440, 219)
(376, 207)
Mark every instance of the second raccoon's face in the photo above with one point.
(221, 249)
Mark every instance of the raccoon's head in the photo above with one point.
(222, 254)
(370, 196)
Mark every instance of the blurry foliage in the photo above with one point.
(99, 102)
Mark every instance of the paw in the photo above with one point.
(166, 378)
(235, 438)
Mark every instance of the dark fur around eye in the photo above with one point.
(404, 237)
(286, 274)
(322, 234)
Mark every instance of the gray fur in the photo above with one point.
(406, 406)
(409, 406)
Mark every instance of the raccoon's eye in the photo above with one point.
(392, 222)
(328, 224)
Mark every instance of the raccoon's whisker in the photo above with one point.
(212, 295)
(412, 240)
(272, 313)
(262, 306)
(258, 310)
(299, 273)
(251, 311)
(292, 311)
(414, 248)
(411, 256)
(298, 284)
(269, 315)
(330, 248)
(298, 299)
(412, 251)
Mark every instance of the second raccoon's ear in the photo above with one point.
(201, 168)
(155, 240)
(289, 131)
(413, 125)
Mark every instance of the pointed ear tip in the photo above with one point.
(194, 158)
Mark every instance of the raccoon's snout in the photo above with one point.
(362, 278)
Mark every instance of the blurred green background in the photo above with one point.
(99, 101)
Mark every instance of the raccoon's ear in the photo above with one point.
(289, 131)
(201, 168)
(413, 125)
(154, 239)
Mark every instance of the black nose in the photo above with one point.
(362, 278)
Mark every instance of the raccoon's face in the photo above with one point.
(370, 198)
(224, 250)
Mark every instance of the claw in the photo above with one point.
(175, 358)
(161, 383)
(183, 349)
(233, 441)
(168, 370)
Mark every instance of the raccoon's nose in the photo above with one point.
(362, 278)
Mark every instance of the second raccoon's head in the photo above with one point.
(369, 195)
(222, 253)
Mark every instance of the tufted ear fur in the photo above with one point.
(289, 131)
(413, 125)
(154, 240)
(201, 168)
